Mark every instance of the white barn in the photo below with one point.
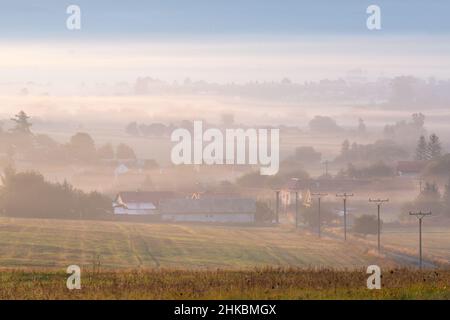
(214, 210)
(139, 202)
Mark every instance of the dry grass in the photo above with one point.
(219, 284)
(436, 241)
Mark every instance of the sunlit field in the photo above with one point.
(39, 243)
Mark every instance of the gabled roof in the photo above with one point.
(144, 196)
(209, 205)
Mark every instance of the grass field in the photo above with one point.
(405, 240)
(38, 243)
(436, 241)
(251, 284)
(124, 260)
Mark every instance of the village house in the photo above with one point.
(140, 202)
(213, 210)
(288, 193)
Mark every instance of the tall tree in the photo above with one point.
(361, 127)
(82, 147)
(22, 123)
(421, 150)
(345, 148)
(434, 147)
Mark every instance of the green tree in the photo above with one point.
(82, 147)
(310, 214)
(345, 148)
(22, 122)
(366, 224)
(125, 152)
(361, 127)
(421, 150)
(307, 155)
(263, 212)
(28, 194)
(132, 129)
(434, 147)
(106, 151)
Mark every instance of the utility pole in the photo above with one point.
(344, 196)
(277, 203)
(379, 202)
(420, 215)
(319, 197)
(326, 167)
(296, 209)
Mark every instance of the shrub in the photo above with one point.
(366, 224)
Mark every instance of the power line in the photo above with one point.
(420, 215)
(379, 202)
(344, 196)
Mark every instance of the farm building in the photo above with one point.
(410, 168)
(140, 202)
(216, 210)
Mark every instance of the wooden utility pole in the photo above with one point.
(326, 167)
(319, 197)
(296, 209)
(344, 196)
(277, 203)
(420, 215)
(379, 202)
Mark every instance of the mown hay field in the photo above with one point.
(55, 244)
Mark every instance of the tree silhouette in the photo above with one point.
(106, 152)
(82, 147)
(434, 147)
(421, 150)
(22, 123)
(125, 152)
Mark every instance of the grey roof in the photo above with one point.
(209, 205)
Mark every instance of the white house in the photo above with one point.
(215, 210)
(139, 202)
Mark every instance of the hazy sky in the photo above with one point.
(105, 18)
(220, 40)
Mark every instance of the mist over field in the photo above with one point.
(353, 120)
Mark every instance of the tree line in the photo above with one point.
(81, 147)
(431, 199)
(28, 194)
(428, 150)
